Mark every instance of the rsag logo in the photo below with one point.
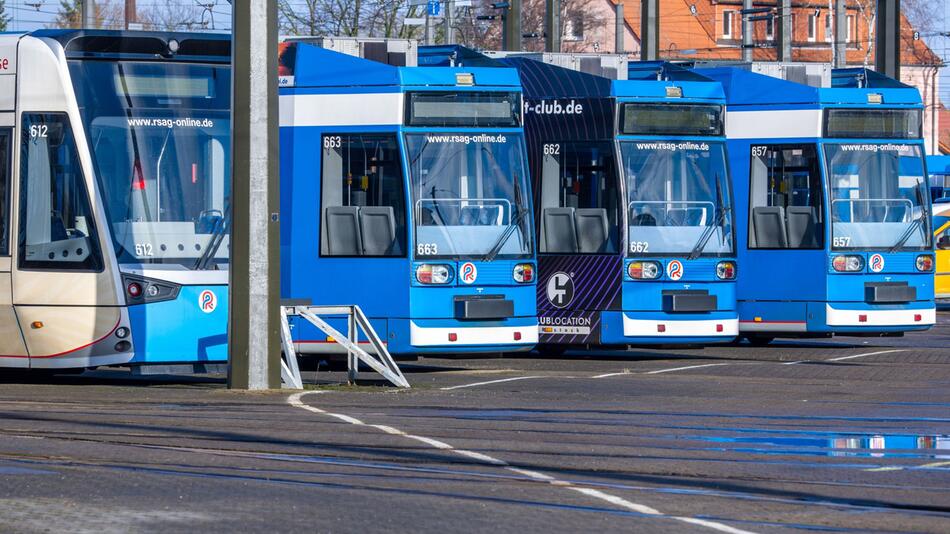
(468, 273)
(207, 301)
(876, 263)
(560, 290)
(675, 270)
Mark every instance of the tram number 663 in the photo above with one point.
(427, 249)
(333, 141)
(39, 131)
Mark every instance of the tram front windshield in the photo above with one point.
(879, 197)
(470, 196)
(160, 138)
(678, 197)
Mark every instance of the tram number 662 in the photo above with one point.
(552, 150)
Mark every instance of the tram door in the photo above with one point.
(786, 224)
(12, 347)
(63, 286)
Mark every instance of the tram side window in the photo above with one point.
(57, 226)
(785, 198)
(579, 199)
(5, 162)
(363, 203)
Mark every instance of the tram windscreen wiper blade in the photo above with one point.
(503, 238)
(914, 226)
(217, 236)
(710, 230)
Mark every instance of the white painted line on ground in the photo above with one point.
(608, 375)
(661, 371)
(296, 401)
(843, 358)
(935, 465)
(476, 384)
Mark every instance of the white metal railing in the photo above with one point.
(382, 363)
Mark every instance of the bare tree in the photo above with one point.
(107, 14)
(579, 19)
(173, 15)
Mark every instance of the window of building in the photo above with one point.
(363, 202)
(574, 27)
(852, 21)
(57, 226)
(829, 31)
(785, 203)
(727, 20)
(770, 29)
(812, 27)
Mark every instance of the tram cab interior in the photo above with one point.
(830, 185)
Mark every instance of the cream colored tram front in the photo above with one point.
(65, 295)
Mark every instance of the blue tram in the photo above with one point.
(633, 203)
(833, 204)
(405, 190)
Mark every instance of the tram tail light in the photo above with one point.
(644, 270)
(726, 270)
(848, 264)
(433, 274)
(925, 263)
(523, 273)
(134, 289)
(918, 317)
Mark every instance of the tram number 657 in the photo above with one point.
(760, 151)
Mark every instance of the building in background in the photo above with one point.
(695, 30)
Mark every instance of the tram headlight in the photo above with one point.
(644, 270)
(523, 273)
(134, 289)
(726, 270)
(925, 263)
(433, 274)
(848, 264)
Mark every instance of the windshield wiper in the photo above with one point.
(217, 237)
(914, 226)
(503, 238)
(710, 230)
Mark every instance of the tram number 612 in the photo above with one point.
(39, 131)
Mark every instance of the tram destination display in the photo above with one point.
(463, 109)
(873, 123)
(664, 119)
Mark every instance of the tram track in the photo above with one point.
(394, 464)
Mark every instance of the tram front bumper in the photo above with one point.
(674, 329)
(904, 318)
(473, 336)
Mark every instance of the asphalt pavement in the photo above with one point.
(846, 434)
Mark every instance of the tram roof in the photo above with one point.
(849, 87)
(314, 66)
(938, 165)
(646, 79)
(140, 46)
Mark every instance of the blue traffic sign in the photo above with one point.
(434, 8)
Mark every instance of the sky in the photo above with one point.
(34, 14)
